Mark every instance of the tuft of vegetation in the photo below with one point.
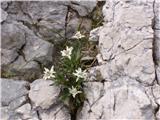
(70, 73)
(97, 15)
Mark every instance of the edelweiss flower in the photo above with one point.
(67, 52)
(78, 35)
(49, 73)
(74, 91)
(80, 74)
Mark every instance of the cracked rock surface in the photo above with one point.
(31, 30)
(42, 94)
(36, 101)
(128, 62)
(124, 85)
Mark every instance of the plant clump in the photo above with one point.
(70, 73)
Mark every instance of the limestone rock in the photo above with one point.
(75, 22)
(158, 74)
(14, 94)
(26, 112)
(12, 37)
(128, 89)
(125, 41)
(123, 99)
(23, 52)
(158, 115)
(156, 93)
(43, 93)
(57, 112)
(12, 90)
(157, 38)
(94, 35)
(8, 56)
(83, 7)
(3, 15)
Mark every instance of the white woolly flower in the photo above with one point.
(74, 91)
(78, 35)
(80, 74)
(67, 52)
(49, 73)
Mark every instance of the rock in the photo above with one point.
(123, 99)
(74, 22)
(23, 52)
(26, 112)
(83, 7)
(127, 89)
(13, 38)
(8, 56)
(156, 93)
(94, 35)
(43, 94)
(4, 113)
(37, 49)
(47, 19)
(14, 104)
(27, 28)
(12, 90)
(157, 38)
(157, 15)
(3, 15)
(158, 115)
(57, 112)
(158, 74)
(14, 94)
(124, 45)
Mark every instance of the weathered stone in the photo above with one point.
(43, 93)
(126, 42)
(94, 34)
(158, 115)
(12, 90)
(17, 102)
(156, 43)
(4, 113)
(57, 112)
(74, 22)
(3, 15)
(8, 56)
(23, 52)
(37, 49)
(26, 112)
(158, 74)
(126, 65)
(122, 99)
(12, 36)
(83, 7)
(157, 14)
(156, 93)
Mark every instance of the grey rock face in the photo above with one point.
(12, 90)
(126, 41)
(123, 99)
(26, 112)
(157, 38)
(57, 112)
(22, 51)
(94, 35)
(3, 15)
(14, 95)
(40, 102)
(128, 89)
(43, 93)
(83, 7)
(26, 28)
(125, 84)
